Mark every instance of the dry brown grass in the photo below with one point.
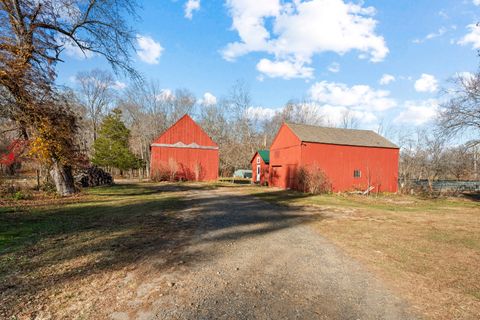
(426, 249)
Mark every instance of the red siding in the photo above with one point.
(377, 165)
(264, 170)
(284, 158)
(187, 131)
(188, 160)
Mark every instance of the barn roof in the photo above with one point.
(265, 154)
(350, 137)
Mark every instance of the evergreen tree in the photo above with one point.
(111, 147)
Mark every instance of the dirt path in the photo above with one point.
(252, 260)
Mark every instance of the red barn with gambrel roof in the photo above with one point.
(351, 159)
(187, 151)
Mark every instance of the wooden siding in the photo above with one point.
(264, 170)
(378, 166)
(190, 148)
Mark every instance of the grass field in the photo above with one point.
(56, 250)
(428, 249)
(62, 251)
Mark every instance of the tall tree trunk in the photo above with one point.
(94, 131)
(63, 178)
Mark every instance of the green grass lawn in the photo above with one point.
(49, 246)
(20, 224)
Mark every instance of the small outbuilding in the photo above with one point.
(350, 159)
(260, 167)
(184, 152)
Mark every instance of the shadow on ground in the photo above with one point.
(474, 196)
(64, 245)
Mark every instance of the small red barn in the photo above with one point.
(260, 166)
(351, 159)
(185, 151)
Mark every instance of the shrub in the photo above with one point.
(160, 174)
(48, 187)
(173, 168)
(198, 170)
(8, 189)
(312, 179)
(165, 172)
(20, 195)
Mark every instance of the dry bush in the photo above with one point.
(160, 174)
(197, 170)
(165, 172)
(173, 169)
(312, 179)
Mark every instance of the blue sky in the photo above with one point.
(333, 53)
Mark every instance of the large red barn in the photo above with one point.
(351, 159)
(186, 150)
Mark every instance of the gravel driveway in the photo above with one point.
(252, 260)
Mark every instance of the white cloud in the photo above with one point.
(476, 2)
(72, 50)
(387, 79)
(190, 6)
(284, 69)
(358, 97)
(208, 99)
(261, 113)
(301, 29)
(317, 114)
(473, 37)
(119, 85)
(325, 114)
(335, 115)
(334, 67)
(418, 112)
(426, 83)
(443, 14)
(440, 32)
(165, 95)
(149, 50)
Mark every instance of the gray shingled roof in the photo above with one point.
(350, 137)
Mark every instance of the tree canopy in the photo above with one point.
(33, 34)
(111, 149)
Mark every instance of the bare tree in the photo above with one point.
(302, 112)
(348, 120)
(145, 113)
(33, 34)
(461, 112)
(96, 94)
(459, 162)
(149, 111)
(180, 104)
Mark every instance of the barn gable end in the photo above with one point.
(184, 152)
(187, 131)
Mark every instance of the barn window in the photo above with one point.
(357, 173)
(258, 159)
